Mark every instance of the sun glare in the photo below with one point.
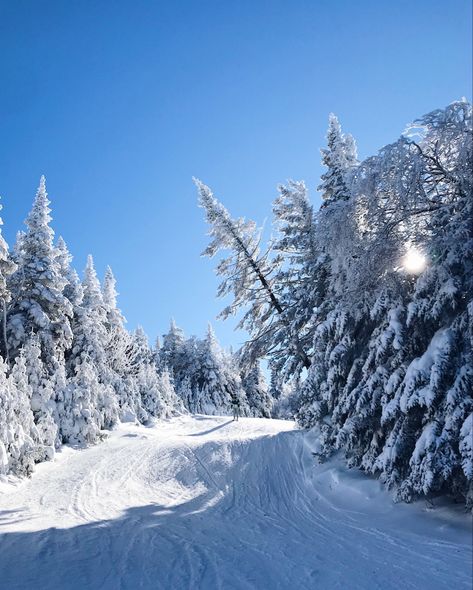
(414, 262)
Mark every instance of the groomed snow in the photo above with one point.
(202, 502)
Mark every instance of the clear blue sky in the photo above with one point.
(120, 103)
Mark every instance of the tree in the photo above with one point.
(7, 267)
(72, 286)
(17, 448)
(301, 277)
(41, 395)
(80, 417)
(214, 378)
(256, 390)
(393, 388)
(339, 157)
(170, 354)
(38, 304)
(248, 275)
(121, 354)
(91, 342)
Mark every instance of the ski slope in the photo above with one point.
(203, 502)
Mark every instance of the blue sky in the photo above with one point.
(120, 103)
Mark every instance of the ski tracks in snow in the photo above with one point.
(204, 502)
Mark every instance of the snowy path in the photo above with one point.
(207, 503)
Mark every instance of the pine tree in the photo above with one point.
(339, 158)
(121, 354)
(42, 400)
(7, 267)
(90, 345)
(259, 401)
(17, 448)
(72, 287)
(38, 303)
(171, 352)
(301, 278)
(249, 276)
(81, 421)
(215, 379)
(394, 390)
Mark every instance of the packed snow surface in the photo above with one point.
(204, 502)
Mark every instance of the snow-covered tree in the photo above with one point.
(80, 417)
(42, 399)
(339, 157)
(72, 285)
(301, 278)
(377, 285)
(402, 397)
(259, 400)
(38, 304)
(170, 354)
(249, 276)
(17, 447)
(90, 344)
(7, 267)
(215, 379)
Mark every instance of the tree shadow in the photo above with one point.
(204, 432)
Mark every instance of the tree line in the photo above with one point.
(69, 368)
(364, 306)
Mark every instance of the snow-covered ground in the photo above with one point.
(203, 502)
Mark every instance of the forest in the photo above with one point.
(362, 308)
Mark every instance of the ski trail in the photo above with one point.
(202, 502)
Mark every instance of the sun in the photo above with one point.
(414, 261)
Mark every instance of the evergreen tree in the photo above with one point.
(170, 354)
(72, 286)
(7, 267)
(80, 417)
(256, 390)
(215, 379)
(402, 401)
(339, 157)
(17, 448)
(38, 304)
(249, 276)
(294, 280)
(42, 400)
(91, 342)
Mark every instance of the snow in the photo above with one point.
(204, 502)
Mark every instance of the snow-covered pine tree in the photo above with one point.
(249, 275)
(38, 304)
(90, 345)
(140, 386)
(171, 353)
(301, 276)
(72, 288)
(340, 158)
(402, 405)
(17, 448)
(123, 354)
(259, 400)
(215, 379)
(7, 267)
(42, 399)
(340, 320)
(432, 398)
(139, 350)
(157, 396)
(81, 421)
